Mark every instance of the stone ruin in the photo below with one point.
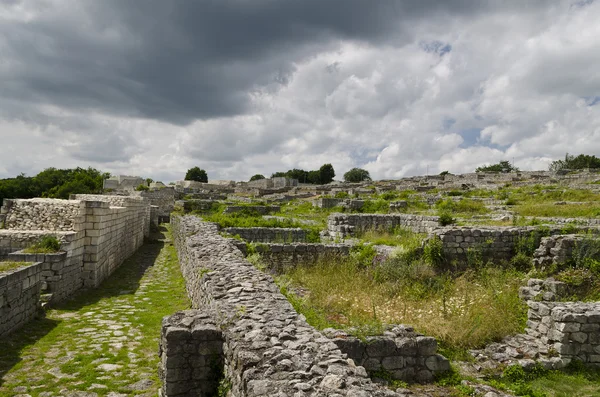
(246, 332)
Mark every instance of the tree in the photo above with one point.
(257, 177)
(575, 163)
(196, 174)
(502, 166)
(314, 177)
(357, 175)
(326, 174)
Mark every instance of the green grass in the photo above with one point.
(7, 266)
(46, 245)
(463, 311)
(396, 237)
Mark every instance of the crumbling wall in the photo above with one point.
(259, 209)
(279, 257)
(268, 234)
(341, 226)
(268, 348)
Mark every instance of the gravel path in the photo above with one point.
(104, 342)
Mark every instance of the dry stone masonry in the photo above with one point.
(342, 226)
(279, 257)
(40, 214)
(401, 352)
(268, 348)
(268, 234)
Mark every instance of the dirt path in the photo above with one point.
(104, 342)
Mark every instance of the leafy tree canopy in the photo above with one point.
(54, 183)
(575, 162)
(257, 177)
(502, 166)
(357, 175)
(323, 175)
(196, 174)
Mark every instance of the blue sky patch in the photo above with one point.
(435, 46)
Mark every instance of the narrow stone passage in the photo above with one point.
(104, 342)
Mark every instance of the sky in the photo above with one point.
(243, 87)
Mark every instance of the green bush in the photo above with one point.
(445, 219)
(46, 245)
(342, 195)
(142, 188)
(433, 252)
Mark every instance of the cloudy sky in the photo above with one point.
(239, 87)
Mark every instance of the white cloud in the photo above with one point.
(523, 78)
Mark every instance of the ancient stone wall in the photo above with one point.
(259, 209)
(341, 226)
(163, 198)
(268, 234)
(351, 204)
(403, 353)
(279, 257)
(19, 297)
(268, 348)
(196, 205)
(555, 250)
(497, 243)
(112, 234)
(40, 214)
(61, 274)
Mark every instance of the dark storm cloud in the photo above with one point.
(182, 60)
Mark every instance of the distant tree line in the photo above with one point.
(323, 175)
(575, 162)
(569, 163)
(53, 183)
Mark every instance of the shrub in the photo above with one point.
(47, 244)
(433, 253)
(196, 174)
(445, 219)
(142, 188)
(357, 175)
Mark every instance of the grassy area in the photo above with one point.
(463, 311)
(7, 266)
(575, 380)
(46, 245)
(396, 237)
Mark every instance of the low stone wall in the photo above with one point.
(571, 329)
(268, 348)
(61, 274)
(40, 214)
(268, 234)
(15, 240)
(19, 297)
(196, 205)
(500, 243)
(341, 226)
(403, 353)
(163, 198)
(338, 202)
(259, 209)
(279, 257)
(555, 250)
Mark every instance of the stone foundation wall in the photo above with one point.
(403, 353)
(500, 243)
(191, 354)
(335, 202)
(19, 297)
(196, 205)
(268, 234)
(341, 226)
(279, 257)
(268, 348)
(571, 329)
(61, 275)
